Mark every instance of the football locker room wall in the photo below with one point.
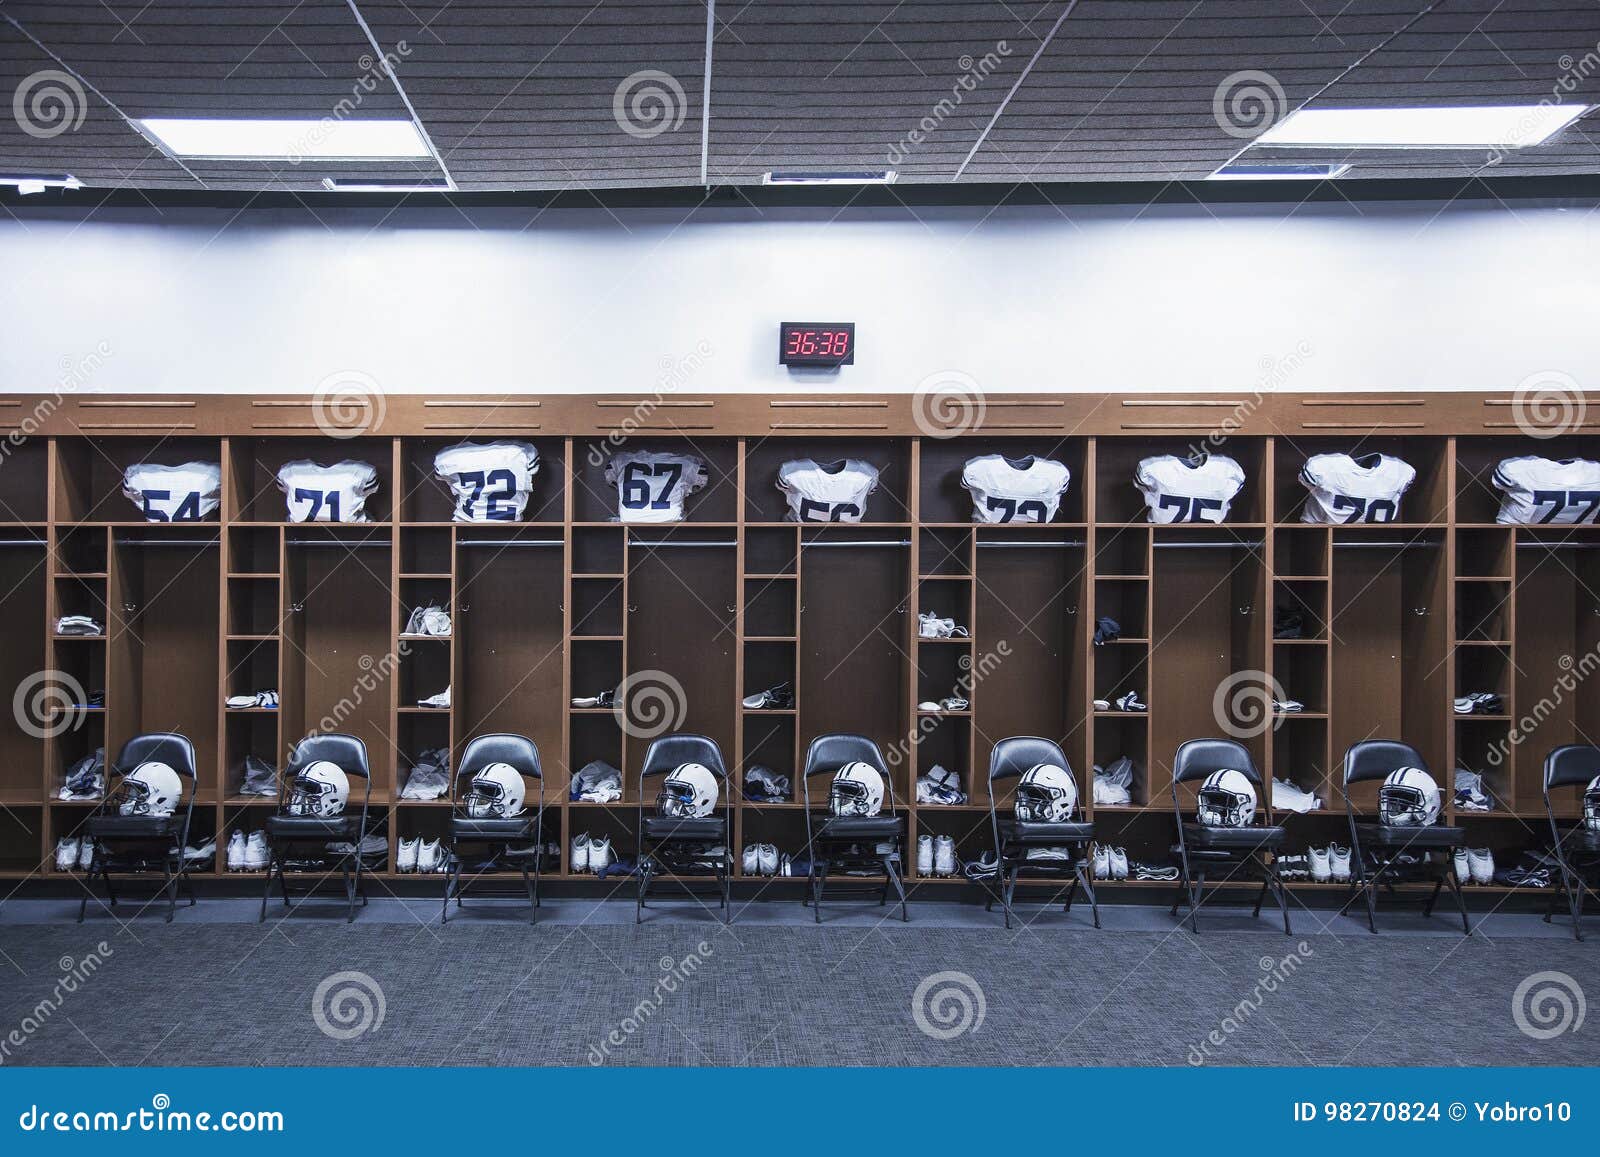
(1396, 618)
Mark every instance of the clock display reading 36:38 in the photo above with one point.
(811, 343)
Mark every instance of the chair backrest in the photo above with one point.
(166, 747)
(1376, 758)
(346, 752)
(1014, 756)
(1198, 758)
(828, 753)
(1574, 764)
(671, 751)
(517, 750)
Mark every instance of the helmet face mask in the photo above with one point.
(689, 791)
(1046, 794)
(1227, 799)
(1409, 799)
(1591, 805)
(322, 790)
(856, 790)
(151, 789)
(495, 793)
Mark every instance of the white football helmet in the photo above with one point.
(322, 789)
(688, 791)
(151, 789)
(495, 793)
(1227, 799)
(1046, 794)
(1409, 798)
(857, 790)
(1591, 805)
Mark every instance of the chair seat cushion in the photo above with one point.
(281, 827)
(1389, 836)
(1057, 833)
(685, 827)
(861, 828)
(515, 828)
(134, 827)
(1233, 839)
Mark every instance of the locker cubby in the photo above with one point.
(890, 502)
(1126, 601)
(254, 606)
(81, 596)
(1300, 551)
(425, 550)
(944, 671)
(972, 835)
(81, 551)
(1307, 599)
(947, 598)
(1483, 611)
(1124, 551)
(88, 481)
(249, 735)
(1116, 737)
(1117, 499)
(1486, 553)
(784, 829)
(596, 500)
(619, 822)
(1427, 500)
(424, 497)
(253, 550)
(769, 550)
(769, 740)
(255, 462)
(80, 733)
(945, 552)
(24, 481)
(945, 740)
(415, 733)
(598, 550)
(1485, 746)
(1119, 669)
(596, 666)
(1300, 755)
(1477, 499)
(1485, 668)
(767, 665)
(23, 591)
(424, 671)
(596, 607)
(1302, 672)
(252, 665)
(944, 499)
(21, 842)
(422, 592)
(769, 610)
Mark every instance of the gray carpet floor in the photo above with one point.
(951, 988)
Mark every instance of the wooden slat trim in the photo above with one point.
(437, 403)
(992, 404)
(1363, 425)
(481, 428)
(827, 425)
(826, 404)
(1225, 403)
(1020, 426)
(93, 426)
(665, 427)
(153, 404)
(1553, 428)
(654, 404)
(1174, 426)
(1357, 401)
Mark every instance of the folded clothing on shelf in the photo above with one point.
(763, 785)
(597, 782)
(940, 785)
(79, 625)
(430, 775)
(1113, 784)
(1470, 795)
(86, 779)
(259, 777)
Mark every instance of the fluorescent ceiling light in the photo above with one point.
(1269, 171)
(1490, 126)
(829, 177)
(329, 139)
(343, 185)
(28, 185)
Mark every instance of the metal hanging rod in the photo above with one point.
(1024, 545)
(188, 542)
(329, 543)
(857, 542)
(1558, 545)
(1421, 544)
(673, 542)
(22, 542)
(511, 542)
(1252, 543)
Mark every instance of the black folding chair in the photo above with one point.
(142, 843)
(684, 846)
(292, 838)
(1577, 850)
(858, 845)
(496, 835)
(1374, 759)
(1207, 850)
(1014, 839)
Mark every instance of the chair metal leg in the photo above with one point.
(1261, 896)
(169, 886)
(1198, 891)
(266, 892)
(893, 873)
(83, 904)
(1455, 890)
(644, 885)
(1088, 890)
(451, 878)
(1433, 898)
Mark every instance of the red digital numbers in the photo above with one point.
(820, 344)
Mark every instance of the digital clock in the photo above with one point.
(812, 343)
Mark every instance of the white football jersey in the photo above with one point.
(1543, 490)
(336, 493)
(651, 486)
(491, 481)
(1021, 490)
(184, 493)
(1184, 490)
(1346, 489)
(835, 492)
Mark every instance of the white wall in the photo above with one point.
(1375, 297)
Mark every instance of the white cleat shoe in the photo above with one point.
(428, 856)
(85, 854)
(1118, 862)
(944, 856)
(405, 859)
(924, 855)
(256, 854)
(1321, 860)
(440, 701)
(601, 855)
(66, 854)
(236, 851)
(1482, 861)
(1101, 859)
(769, 859)
(1339, 863)
(752, 859)
(1463, 865)
(580, 853)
